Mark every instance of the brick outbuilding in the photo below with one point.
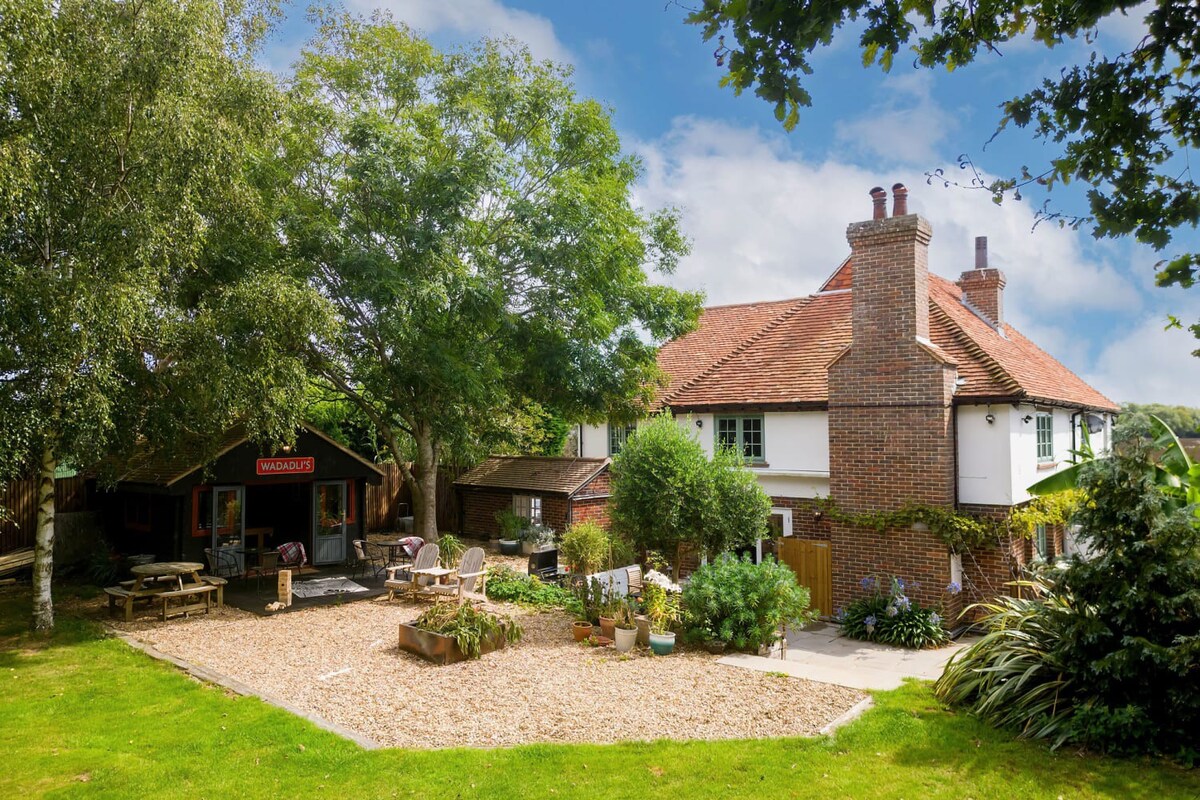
(553, 491)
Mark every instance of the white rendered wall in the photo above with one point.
(984, 453)
(594, 441)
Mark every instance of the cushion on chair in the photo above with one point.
(292, 554)
(412, 544)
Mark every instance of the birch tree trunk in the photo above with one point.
(43, 554)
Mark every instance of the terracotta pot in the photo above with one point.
(662, 644)
(581, 630)
(643, 630)
(607, 626)
(625, 639)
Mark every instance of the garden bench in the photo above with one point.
(126, 597)
(219, 583)
(203, 590)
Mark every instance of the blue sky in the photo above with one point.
(767, 210)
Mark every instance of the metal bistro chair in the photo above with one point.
(222, 564)
(373, 557)
(268, 565)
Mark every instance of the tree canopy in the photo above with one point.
(137, 289)
(469, 218)
(1122, 123)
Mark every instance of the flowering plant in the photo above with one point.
(888, 615)
(656, 577)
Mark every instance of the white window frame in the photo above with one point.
(1041, 542)
(786, 513)
(1047, 456)
(528, 506)
(618, 435)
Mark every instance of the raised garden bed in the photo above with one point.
(441, 649)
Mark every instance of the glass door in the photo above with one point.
(228, 524)
(329, 522)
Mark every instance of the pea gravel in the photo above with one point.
(342, 663)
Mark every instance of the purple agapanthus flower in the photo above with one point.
(870, 621)
(903, 603)
(892, 610)
(935, 619)
(840, 615)
(867, 583)
(900, 585)
(954, 588)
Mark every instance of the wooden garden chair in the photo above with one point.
(470, 577)
(426, 557)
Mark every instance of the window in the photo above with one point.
(1045, 437)
(529, 507)
(617, 434)
(1041, 542)
(201, 511)
(743, 434)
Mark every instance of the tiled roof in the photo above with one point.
(782, 358)
(534, 473)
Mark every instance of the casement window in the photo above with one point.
(1045, 437)
(617, 434)
(1041, 542)
(528, 506)
(744, 435)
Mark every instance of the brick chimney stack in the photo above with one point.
(983, 287)
(879, 199)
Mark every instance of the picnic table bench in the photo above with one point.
(186, 595)
(164, 582)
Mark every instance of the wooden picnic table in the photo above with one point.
(165, 569)
(164, 581)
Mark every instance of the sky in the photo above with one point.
(766, 210)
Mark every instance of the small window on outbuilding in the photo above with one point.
(1045, 437)
(528, 506)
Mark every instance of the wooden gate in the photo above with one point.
(811, 560)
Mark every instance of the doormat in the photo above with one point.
(320, 587)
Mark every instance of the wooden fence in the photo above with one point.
(392, 499)
(19, 504)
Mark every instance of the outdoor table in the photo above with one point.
(164, 569)
(395, 549)
(437, 573)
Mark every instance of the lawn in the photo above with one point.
(84, 715)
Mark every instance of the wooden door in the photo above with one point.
(811, 560)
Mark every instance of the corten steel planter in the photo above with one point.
(443, 649)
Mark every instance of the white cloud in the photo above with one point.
(1125, 30)
(1151, 365)
(473, 19)
(767, 223)
(905, 128)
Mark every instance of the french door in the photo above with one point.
(329, 522)
(228, 526)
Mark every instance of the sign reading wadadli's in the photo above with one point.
(299, 465)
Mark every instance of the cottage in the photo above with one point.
(170, 504)
(889, 386)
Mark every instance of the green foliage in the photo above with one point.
(661, 607)
(1182, 420)
(344, 422)
(1117, 637)
(512, 527)
(450, 548)
(470, 219)
(957, 530)
(1048, 510)
(889, 616)
(666, 491)
(1012, 675)
(742, 603)
(586, 548)
(508, 585)
(467, 625)
(1119, 123)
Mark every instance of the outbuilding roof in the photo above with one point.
(534, 473)
(778, 354)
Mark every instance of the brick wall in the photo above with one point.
(805, 522)
(891, 437)
(591, 510)
(480, 507)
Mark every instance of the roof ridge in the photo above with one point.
(745, 344)
(994, 367)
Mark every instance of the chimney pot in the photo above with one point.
(899, 200)
(879, 198)
(981, 258)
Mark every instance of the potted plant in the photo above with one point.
(511, 527)
(584, 548)
(610, 605)
(581, 629)
(662, 610)
(625, 628)
(448, 633)
(536, 537)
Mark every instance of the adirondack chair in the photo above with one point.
(470, 582)
(400, 578)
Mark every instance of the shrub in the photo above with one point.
(585, 548)
(737, 601)
(889, 616)
(450, 548)
(508, 585)
(511, 525)
(467, 625)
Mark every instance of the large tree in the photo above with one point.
(1122, 123)
(470, 219)
(136, 289)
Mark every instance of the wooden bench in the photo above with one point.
(126, 597)
(219, 583)
(186, 594)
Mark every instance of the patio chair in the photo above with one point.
(633, 577)
(360, 558)
(471, 575)
(292, 556)
(373, 557)
(222, 563)
(399, 579)
(268, 565)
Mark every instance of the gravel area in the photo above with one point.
(342, 663)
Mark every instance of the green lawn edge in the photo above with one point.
(84, 715)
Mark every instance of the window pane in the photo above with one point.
(727, 432)
(1045, 437)
(1040, 542)
(617, 436)
(752, 438)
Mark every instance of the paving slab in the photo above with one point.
(820, 653)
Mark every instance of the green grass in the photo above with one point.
(84, 715)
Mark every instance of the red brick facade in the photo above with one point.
(589, 502)
(891, 435)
